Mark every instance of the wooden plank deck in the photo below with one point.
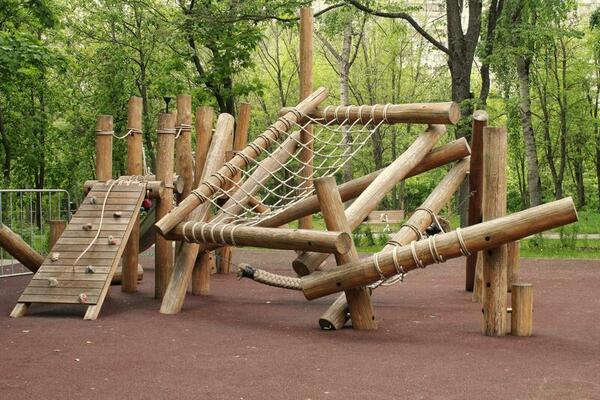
(60, 281)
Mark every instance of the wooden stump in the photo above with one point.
(494, 260)
(57, 227)
(480, 119)
(165, 149)
(522, 309)
(513, 263)
(135, 166)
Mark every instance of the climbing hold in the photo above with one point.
(111, 240)
(52, 282)
(54, 256)
(83, 299)
(87, 227)
(117, 214)
(93, 200)
(89, 270)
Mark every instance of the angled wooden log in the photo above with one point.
(336, 315)
(19, 249)
(377, 190)
(359, 301)
(480, 119)
(449, 245)
(439, 156)
(417, 113)
(165, 152)
(184, 264)
(283, 124)
(134, 167)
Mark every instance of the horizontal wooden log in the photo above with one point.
(272, 238)
(416, 113)
(439, 156)
(19, 249)
(118, 275)
(283, 124)
(475, 238)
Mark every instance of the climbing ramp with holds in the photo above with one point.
(80, 266)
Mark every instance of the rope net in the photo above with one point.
(259, 192)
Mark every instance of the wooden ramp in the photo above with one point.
(58, 280)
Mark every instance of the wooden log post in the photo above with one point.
(184, 264)
(359, 301)
(483, 236)
(480, 119)
(203, 264)
(165, 152)
(522, 309)
(306, 84)
(253, 150)
(240, 140)
(376, 191)
(494, 260)
(446, 113)
(184, 165)
(513, 263)
(104, 139)
(335, 316)
(19, 249)
(57, 227)
(135, 166)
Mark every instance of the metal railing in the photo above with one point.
(27, 212)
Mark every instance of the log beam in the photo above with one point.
(104, 139)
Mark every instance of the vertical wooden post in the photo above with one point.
(240, 141)
(306, 84)
(480, 119)
(202, 266)
(104, 138)
(183, 143)
(522, 309)
(513, 263)
(134, 167)
(494, 260)
(57, 227)
(163, 248)
(359, 301)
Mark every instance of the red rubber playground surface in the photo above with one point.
(248, 341)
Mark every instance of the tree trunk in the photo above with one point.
(7, 150)
(534, 185)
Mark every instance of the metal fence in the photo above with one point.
(27, 212)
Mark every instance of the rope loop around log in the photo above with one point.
(231, 236)
(232, 168)
(413, 250)
(183, 128)
(377, 267)
(435, 255)
(167, 131)
(414, 229)
(101, 132)
(221, 233)
(185, 237)
(461, 241)
(360, 115)
(325, 112)
(385, 110)
(434, 217)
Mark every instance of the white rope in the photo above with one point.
(463, 247)
(99, 225)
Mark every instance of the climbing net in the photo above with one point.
(278, 178)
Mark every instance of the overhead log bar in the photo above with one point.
(271, 238)
(448, 245)
(447, 113)
(253, 150)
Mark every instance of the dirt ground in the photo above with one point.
(248, 341)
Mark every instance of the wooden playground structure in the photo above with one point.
(235, 193)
